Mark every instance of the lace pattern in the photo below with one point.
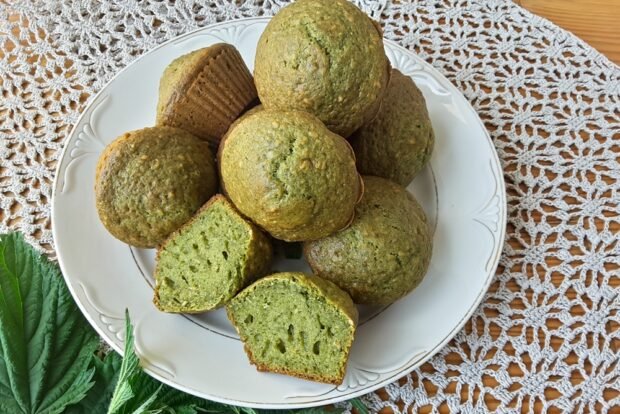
(547, 335)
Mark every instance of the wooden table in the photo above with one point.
(595, 21)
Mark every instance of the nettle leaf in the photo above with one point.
(130, 369)
(106, 377)
(46, 345)
(359, 406)
(136, 392)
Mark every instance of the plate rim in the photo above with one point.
(501, 190)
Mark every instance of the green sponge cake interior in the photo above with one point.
(204, 264)
(296, 324)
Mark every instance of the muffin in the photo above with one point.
(324, 57)
(289, 174)
(246, 114)
(398, 143)
(385, 252)
(209, 260)
(296, 324)
(204, 91)
(149, 182)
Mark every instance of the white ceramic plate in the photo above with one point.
(462, 192)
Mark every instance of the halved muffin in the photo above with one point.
(206, 262)
(296, 324)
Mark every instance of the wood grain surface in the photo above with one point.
(595, 21)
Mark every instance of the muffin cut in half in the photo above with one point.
(206, 262)
(296, 324)
(204, 91)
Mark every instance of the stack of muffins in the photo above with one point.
(287, 167)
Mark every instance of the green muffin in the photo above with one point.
(386, 251)
(399, 141)
(204, 91)
(289, 174)
(325, 57)
(296, 324)
(209, 260)
(246, 114)
(149, 182)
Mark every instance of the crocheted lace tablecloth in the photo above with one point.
(547, 335)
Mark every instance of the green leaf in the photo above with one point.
(359, 405)
(171, 400)
(46, 345)
(137, 393)
(106, 376)
(130, 368)
(146, 395)
(217, 408)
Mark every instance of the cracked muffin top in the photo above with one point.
(385, 252)
(289, 174)
(150, 181)
(325, 57)
(398, 143)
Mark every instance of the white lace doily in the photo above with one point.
(547, 335)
